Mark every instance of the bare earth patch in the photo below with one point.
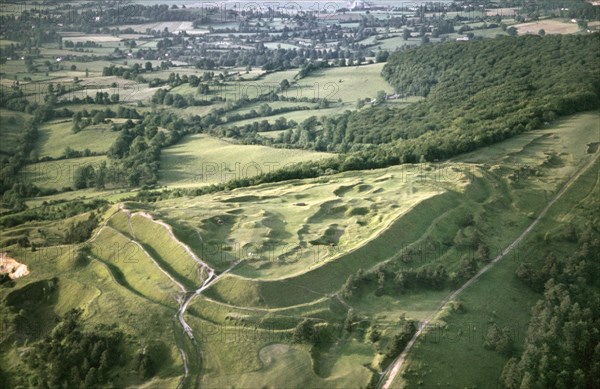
(11, 267)
(501, 12)
(549, 26)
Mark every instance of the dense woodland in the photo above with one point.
(476, 94)
(72, 357)
(562, 348)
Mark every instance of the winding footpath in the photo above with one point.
(395, 367)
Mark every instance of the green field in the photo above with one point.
(133, 269)
(347, 84)
(275, 78)
(297, 116)
(57, 174)
(457, 340)
(397, 42)
(98, 289)
(56, 136)
(203, 160)
(273, 104)
(352, 221)
(200, 110)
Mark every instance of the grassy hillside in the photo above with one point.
(195, 239)
(297, 116)
(459, 339)
(403, 219)
(98, 289)
(284, 229)
(133, 269)
(315, 294)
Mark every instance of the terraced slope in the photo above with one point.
(240, 270)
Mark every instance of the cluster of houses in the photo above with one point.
(395, 96)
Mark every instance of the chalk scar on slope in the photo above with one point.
(12, 267)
